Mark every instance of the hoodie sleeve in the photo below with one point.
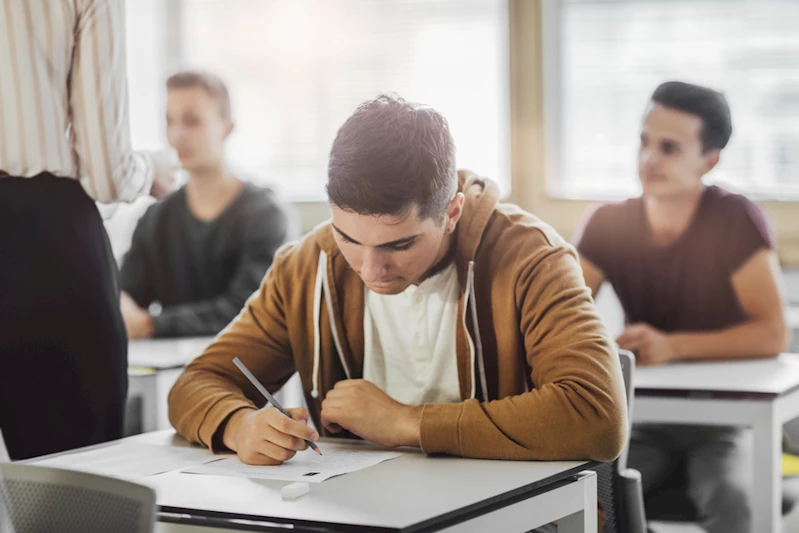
(577, 409)
(211, 388)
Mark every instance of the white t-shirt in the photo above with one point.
(409, 341)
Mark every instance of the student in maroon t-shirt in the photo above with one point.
(695, 270)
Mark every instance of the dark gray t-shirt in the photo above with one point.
(685, 286)
(202, 272)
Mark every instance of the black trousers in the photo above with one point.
(63, 346)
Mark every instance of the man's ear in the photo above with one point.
(711, 160)
(229, 128)
(454, 211)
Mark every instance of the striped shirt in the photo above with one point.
(63, 96)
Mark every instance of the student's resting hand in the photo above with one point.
(165, 167)
(138, 322)
(267, 436)
(360, 407)
(651, 346)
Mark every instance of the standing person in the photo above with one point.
(64, 142)
(203, 250)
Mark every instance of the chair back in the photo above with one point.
(619, 488)
(627, 360)
(39, 499)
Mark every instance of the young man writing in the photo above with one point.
(202, 251)
(695, 269)
(426, 314)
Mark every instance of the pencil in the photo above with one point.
(269, 397)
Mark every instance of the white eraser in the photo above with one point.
(295, 490)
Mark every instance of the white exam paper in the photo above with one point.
(306, 466)
(131, 461)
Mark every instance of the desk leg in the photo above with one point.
(143, 383)
(767, 476)
(164, 380)
(584, 521)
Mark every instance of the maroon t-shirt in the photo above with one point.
(685, 286)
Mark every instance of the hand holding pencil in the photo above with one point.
(268, 436)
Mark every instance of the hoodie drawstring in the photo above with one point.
(478, 349)
(477, 340)
(322, 288)
(321, 272)
(336, 341)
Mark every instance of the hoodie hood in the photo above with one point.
(481, 197)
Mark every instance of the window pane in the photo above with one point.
(146, 67)
(297, 69)
(614, 54)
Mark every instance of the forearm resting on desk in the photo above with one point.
(751, 339)
(138, 322)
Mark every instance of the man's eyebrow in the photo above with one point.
(397, 242)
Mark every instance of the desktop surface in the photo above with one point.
(772, 376)
(410, 493)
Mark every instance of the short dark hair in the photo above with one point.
(709, 105)
(210, 83)
(391, 155)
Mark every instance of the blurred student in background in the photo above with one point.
(696, 272)
(203, 250)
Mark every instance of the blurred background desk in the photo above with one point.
(153, 367)
(761, 394)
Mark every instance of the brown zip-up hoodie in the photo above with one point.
(539, 377)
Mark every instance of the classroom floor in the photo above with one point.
(791, 486)
(791, 524)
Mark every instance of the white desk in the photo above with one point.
(155, 364)
(153, 367)
(166, 353)
(411, 493)
(761, 394)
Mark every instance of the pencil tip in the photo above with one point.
(318, 451)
